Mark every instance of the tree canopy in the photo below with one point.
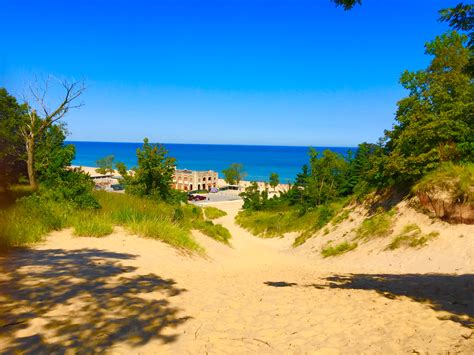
(234, 174)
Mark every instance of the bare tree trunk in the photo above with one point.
(30, 150)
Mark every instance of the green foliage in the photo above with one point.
(234, 174)
(167, 232)
(412, 237)
(52, 156)
(378, 225)
(70, 186)
(213, 212)
(323, 181)
(254, 199)
(12, 148)
(154, 174)
(339, 249)
(92, 225)
(105, 165)
(435, 121)
(215, 231)
(274, 180)
(283, 219)
(456, 180)
(30, 219)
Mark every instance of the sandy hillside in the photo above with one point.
(125, 294)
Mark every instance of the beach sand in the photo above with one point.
(124, 294)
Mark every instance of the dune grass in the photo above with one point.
(170, 233)
(91, 225)
(342, 216)
(213, 212)
(339, 249)
(379, 225)
(29, 219)
(285, 219)
(411, 236)
(215, 231)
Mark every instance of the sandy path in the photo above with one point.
(126, 294)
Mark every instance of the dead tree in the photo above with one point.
(41, 116)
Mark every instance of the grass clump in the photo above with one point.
(339, 249)
(165, 231)
(285, 219)
(213, 212)
(215, 231)
(92, 225)
(378, 225)
(341, 217)
(30, 219)
(411, 236)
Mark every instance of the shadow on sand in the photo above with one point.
(101, 304)
(450, 293)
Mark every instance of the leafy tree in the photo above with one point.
(234, 174)
(12, 148)
(327, 172)
(253, 198)
(36, 123)
(274, 180)
(435, 122)
(154, 174)
(105, 165)
(302, 177)
(461, 18)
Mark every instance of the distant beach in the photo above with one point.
(259, 161)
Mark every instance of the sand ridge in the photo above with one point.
(136, 295)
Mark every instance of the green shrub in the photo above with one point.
(213, 212)
(411, 236)
(339, 249)
(215, 231)
(378, 225)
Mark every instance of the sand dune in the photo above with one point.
(124, 294)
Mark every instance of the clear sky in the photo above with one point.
(279, 72)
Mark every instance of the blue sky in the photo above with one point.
(287, 72)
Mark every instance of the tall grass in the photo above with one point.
(286, 219)
(215, 231)
(213, 212)
(31, 218)
(91, 224)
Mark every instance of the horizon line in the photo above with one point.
(221, 144)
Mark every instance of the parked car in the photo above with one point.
(117, 187)
(196, 198)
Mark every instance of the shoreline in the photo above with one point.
(220, 181)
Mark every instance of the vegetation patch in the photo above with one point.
(214, 213)
(342, 216)
(411, 236)
(166, 231)
(339, 249)
(215, 231)
(92, 225)
(379, 225)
